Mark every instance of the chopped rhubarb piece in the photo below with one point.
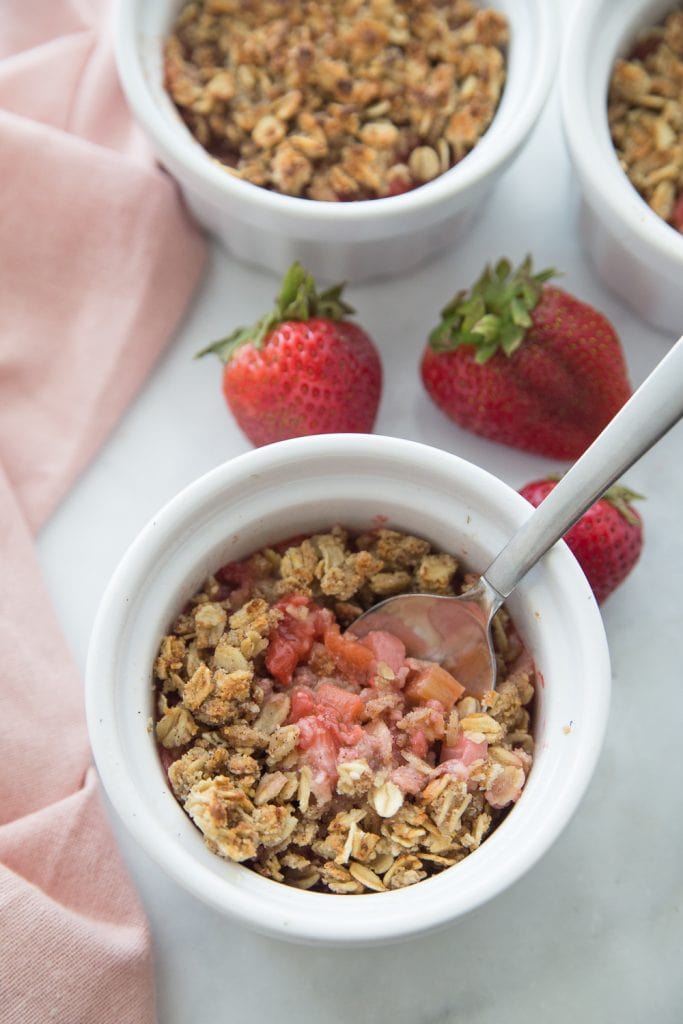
(418, 743)
(387, 648)
(347, 706)
(373, 744)
(353, 659)
(409, 779)
(455, 768)
(464, 750)
(336, 710)
(319, 747)
(432, 682)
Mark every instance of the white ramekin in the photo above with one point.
(345, 241)
(304, 485)
(635, 252)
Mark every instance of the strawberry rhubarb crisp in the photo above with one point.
(337, 99)
(645, 112)
(323, 761)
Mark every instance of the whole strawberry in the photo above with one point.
(606, 540)
(302, 368)
(526, 364)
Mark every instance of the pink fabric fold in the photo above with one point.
(98, 263)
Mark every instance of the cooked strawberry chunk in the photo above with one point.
(317, 735)
(302, 704)
(386, 648)
(291, 640)
(347, 706)
(432, 682)
(289, 643)
(335, 709)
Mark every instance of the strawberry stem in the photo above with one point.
(298, 299)
(620, 497)
(495, 314)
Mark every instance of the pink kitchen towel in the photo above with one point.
(98, 262)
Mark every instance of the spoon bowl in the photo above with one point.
(456, 631)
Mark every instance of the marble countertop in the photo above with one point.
(595, 930)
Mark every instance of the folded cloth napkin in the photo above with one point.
(97, 264)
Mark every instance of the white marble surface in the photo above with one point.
(594, 932)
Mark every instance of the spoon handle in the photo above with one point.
(650, 412)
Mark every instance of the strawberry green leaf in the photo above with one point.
(484, 351)
(293, 280)
(519, 313)
(226, 347)
(298, 299)
(487, 326)
(503, 268)
(510, 337)
(495, 314)
(620, 498)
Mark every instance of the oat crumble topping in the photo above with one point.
(645, 112)
(337, 99)
(322, 761)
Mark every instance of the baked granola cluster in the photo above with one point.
(323, 761)
(645, 112)
(337, 99)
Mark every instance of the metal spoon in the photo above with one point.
(456, 631)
